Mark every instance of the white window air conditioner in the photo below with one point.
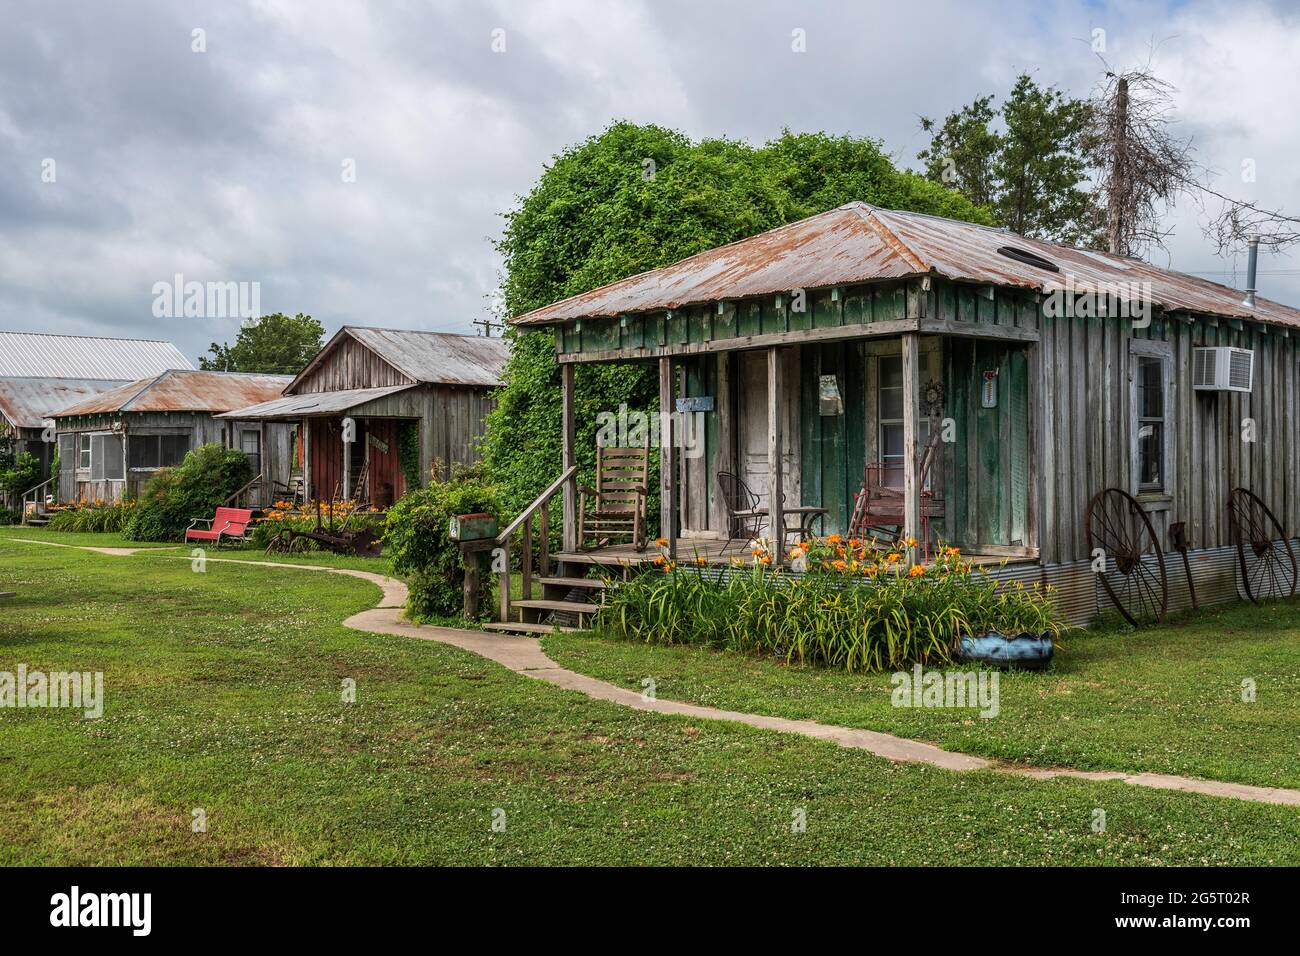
(1223, 369)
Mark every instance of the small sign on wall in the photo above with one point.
(989, 389)
(829, 400)
(699, 403)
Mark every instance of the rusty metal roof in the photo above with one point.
(29, 402)
(435, 358)
(859, 242)
(311, 404)
(183, 391)
(45, 355)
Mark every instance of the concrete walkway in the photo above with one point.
(525, 656)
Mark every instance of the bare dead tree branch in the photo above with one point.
(1142, 166)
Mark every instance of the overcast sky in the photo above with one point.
(228, 164)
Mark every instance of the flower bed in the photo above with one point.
(861, 610)
(85, 515)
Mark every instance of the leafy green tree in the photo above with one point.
(639, 197)
(275, 344)
(1032, 172)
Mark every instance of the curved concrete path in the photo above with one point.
(525, 656)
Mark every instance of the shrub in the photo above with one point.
(418, 546)
(886, 618)
(19, 473)
(86, 516)
(195, 488)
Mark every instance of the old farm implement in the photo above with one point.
(335, 536)
(1132, 566)
(1268, 565)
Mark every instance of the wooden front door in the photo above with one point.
(751, 436)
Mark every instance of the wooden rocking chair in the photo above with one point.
(619, 499)
(879, 508)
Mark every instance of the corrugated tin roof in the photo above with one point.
(44, 355)
(310, 404)
(859, 242)
(438, 358)
(183, 391)
(28, 402)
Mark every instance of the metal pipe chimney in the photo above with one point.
(1251, 263)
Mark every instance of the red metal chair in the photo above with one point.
(229, 523)
(879, 509)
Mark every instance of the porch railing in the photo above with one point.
(35, 495)
(233, 500)
(524, 523)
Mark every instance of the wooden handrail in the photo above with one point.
(541, 499)
(235, 497)
(540, 507)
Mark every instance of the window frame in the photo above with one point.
(254, 457)
(931, 367)
(85, 456)
(1163, 353)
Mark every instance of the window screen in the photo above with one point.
(158, 451)
(67, 452)
(114, 467)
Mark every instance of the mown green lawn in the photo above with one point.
(223, 693)
(1163, 699)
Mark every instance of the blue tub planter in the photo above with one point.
(1026, 651)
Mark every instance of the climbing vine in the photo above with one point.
(408, 452)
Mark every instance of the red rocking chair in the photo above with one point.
(878, 508)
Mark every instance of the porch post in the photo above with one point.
(911, 435)
(567, 458)
(775, 444)
(347, 464)
(306, 460)
(667, 458)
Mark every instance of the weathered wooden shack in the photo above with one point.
(1050, 373)
(41, 373)
(112, 443)
(376, 409)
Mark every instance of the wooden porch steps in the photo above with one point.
(573, 582)
(570, 607)
(524, 627)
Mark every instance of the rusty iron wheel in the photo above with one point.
(1268, 565)
(1134, 571)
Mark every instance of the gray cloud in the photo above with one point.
(226, 165)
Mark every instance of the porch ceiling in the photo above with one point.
(313, 404)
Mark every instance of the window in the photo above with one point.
(106, 457)
(250, 443)
(889, 414)
(157, 451)
(1151, 409)
(84, 463)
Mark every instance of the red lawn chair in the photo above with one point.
(228, 523)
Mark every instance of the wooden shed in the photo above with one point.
(377, 408)
(112, 443)
(1039, 374)
(41, 373)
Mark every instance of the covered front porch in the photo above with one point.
(914, 435)
(347, 445)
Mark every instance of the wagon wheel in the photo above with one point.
(1268, 565)
(1118, 526)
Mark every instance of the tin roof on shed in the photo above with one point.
(181, 390)
(45, 355)
(309, 404)
(28, 402)
(858, 242)
(435, 358)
